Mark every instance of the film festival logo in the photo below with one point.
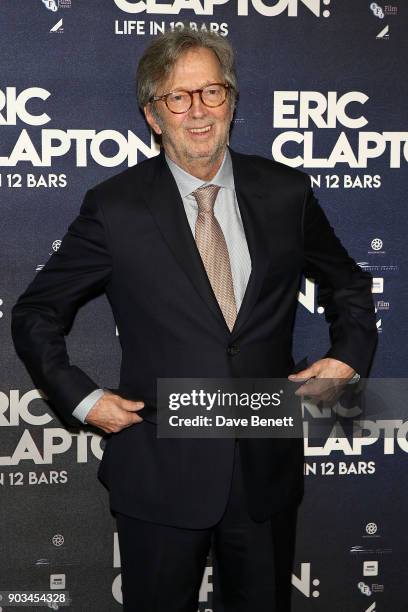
(54, 5)
(380, 12)
(365, 589)
(51, 5)
(377, 10)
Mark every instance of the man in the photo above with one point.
(200, 251)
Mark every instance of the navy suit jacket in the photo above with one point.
(132, 241)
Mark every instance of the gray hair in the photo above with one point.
(160, 56)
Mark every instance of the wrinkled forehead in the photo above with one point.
(194, 68)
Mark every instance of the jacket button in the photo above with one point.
(233, 349)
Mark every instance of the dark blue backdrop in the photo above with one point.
(84, 64)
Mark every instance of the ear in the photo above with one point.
(150, 118)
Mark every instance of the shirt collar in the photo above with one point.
(187, 183)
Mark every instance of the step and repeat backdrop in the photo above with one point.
(324, 89)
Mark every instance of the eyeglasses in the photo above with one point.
(181, 101)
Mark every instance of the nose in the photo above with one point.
(198, 109)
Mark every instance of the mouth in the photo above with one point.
(200, 130)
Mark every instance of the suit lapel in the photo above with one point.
(253, 208)
(167, 208)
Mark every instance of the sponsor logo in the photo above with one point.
(390, 9)
(386, 268)
(365, 589)
(376, 244)
(42, 562)
(1, 312)
(377, 10)
(384, 34)
(371, 608)
(379, 321)
(371, 528)
(56, 245)
(51, 5)
(58, 539)
(354, 550)
(382, 305)
(378, 285)
(370, 568)
(54, 5)
(58, 28)
(57, 581)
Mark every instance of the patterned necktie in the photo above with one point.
(214, 253)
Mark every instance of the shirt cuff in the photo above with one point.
(86, 404)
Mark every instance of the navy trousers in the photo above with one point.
(163, 566)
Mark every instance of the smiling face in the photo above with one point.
(195, 140)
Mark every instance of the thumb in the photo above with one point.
(131, 406)
(304, 374)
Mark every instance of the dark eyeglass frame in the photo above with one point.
(164, 97)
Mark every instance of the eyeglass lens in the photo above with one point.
(180, 101)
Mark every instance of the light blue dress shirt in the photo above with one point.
(227, 213)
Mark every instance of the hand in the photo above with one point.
(325, 378)
(112, 413)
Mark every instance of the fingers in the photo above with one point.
(324, 368)
(117, 421)
(305, 374)
(323, 380)
(112, 413)
(129, 405)
(125, 404)
(315, 387)
(123, 420)
(326, 390)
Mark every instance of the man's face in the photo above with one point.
(201, 133)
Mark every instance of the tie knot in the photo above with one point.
(205, 197)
